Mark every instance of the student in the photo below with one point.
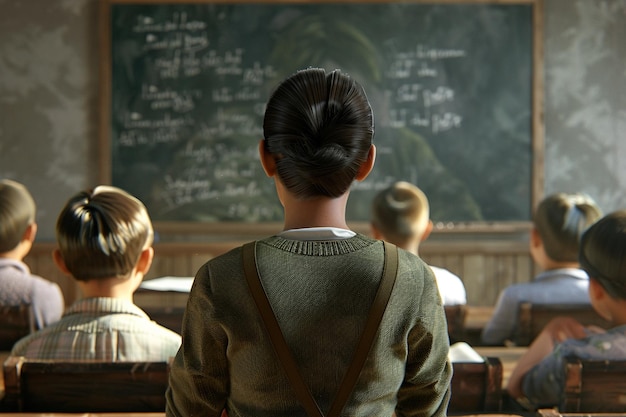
(320, 279)
(558, 224)
(105, 238)
(539, 376)
(17, 234)
(400, 215)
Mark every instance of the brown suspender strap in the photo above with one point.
(278, 340)
(282, 350)
(377, 310)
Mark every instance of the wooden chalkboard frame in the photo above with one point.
(229, 230)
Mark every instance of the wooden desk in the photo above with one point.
(508, 356)
(478, 316)
(476, 319)
(3, 356)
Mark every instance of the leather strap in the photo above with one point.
(282, 349)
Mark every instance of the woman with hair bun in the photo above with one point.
(320, 279)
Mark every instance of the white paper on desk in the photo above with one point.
(177, 284)
(462, 352)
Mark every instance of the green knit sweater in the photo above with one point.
(321, 293)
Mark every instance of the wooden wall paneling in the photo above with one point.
(485, 267)
(525, 268)
(506, 271)
(454, 263)
(474, 266)
(491, 286)
(41, 263)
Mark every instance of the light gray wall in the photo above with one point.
(49, 93)
(48, 100)
(585, 99)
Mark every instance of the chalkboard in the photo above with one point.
(453, 88)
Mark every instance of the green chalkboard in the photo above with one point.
(451, 85)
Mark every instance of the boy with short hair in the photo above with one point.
(401, 215)
(18, 229)
(539, 376)
(105, 243)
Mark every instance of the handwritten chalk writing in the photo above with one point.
(248, 94)
(419, 120)
(241, 210)
(168, 67)
(230, 58)
(200, 155)
(233, 169)
(216, 130)
(408, 92)
(434, 53)
(400, 68)
(249, 190)
(178, 22)
(178, 101)
(222, 95)
(397, 118)
(147, 24)
(196, 42)
(179, 191)
(132, 138)
(257, 75)
(445, 122)
(154, 43)
(232, 70)
(440, 95)
(425, 71)
(135, 121)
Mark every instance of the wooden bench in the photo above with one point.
(595, 386)
(455, 316)
(81, 387)
(476, 387)
(15, 322)
(532, 318)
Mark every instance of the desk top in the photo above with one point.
(508, 356)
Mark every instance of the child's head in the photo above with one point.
(560, 220)
(319, 128)
(17, 214)
(400, 213)
(102, 232)
(603, 253)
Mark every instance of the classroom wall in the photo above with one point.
(49, 124)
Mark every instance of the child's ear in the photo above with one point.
(599, 299)
(267, 160)
(367, 166)
(60, 262)
(596, 291)
(535, 238)
(145, 260)
(427, 231)
(30, 233)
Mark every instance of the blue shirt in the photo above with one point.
(19, 286)
(563, 286)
